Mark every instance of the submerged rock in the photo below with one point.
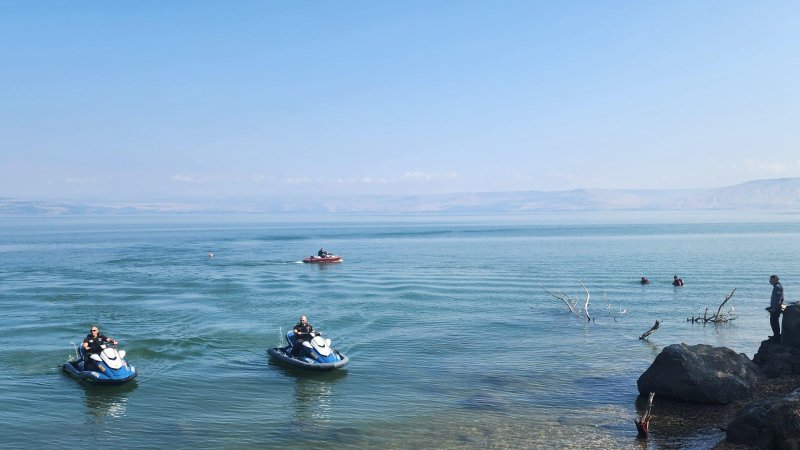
(773, 423)
(700, 374)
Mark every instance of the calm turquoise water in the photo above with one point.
(453, 343)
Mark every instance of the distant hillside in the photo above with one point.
(507, 202)
(778, 194)
(781, 193)
(14, 207)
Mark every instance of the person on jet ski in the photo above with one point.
(92, 344)
(322, 253)
(303, 331)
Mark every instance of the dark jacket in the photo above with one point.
(777, 296)
(95, 342)
(303, 332)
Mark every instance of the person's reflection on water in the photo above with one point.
(314, 396)
(312, 399)
(106, 402)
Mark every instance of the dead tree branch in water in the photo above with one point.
(643, 422)
(566, 299)
(719, 317)
(615, 314)
(651, 330)
(572, 303)
(586, 304)
(723, 303)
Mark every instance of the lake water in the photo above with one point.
(452, 339)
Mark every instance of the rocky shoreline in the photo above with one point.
(726, 400)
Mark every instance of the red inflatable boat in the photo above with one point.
(323, 259)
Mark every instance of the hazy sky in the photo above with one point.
(156, 100)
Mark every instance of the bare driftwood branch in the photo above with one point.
(565, 298)
(651, 330)
(586, 304)
(615, 314)
(728, 297)
(643, 422)
(719, 317)
(572, 303)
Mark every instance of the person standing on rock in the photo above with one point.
(775, 307)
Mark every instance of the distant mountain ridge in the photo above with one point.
(775, 194)
(783, 193)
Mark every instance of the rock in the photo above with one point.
(777, 360)
(790, 326)
(700, 374)
(773, 423)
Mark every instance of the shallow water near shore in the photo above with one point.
(452, 339)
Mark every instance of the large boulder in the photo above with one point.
(777, 360)
(771, 424)
(790, 326)
(700, 374)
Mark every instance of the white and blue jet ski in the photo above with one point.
(316, 354)
(87, 367)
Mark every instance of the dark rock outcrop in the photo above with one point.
(773, 423)
(790, 328)
(778, 359)
(700, 374)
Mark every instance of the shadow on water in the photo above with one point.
(103, 402)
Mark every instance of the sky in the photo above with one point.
(175, 101)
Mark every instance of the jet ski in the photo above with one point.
(323, 259)
(87, 366)
(316, 354)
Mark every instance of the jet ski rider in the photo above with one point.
(92, 344)
(322, 253)
(303, 331)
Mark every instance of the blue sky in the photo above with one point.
(171, 101)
